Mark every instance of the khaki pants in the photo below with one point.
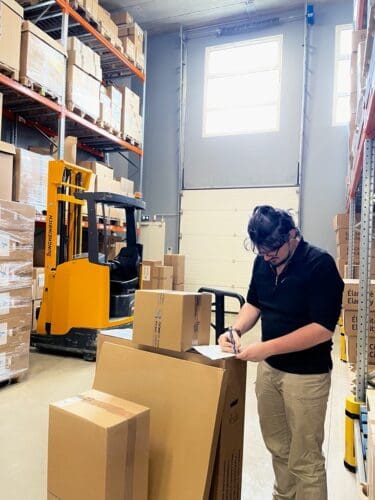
(292, 410)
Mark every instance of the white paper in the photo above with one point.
(121, 333)
(146, 273)
(3, 333)
(4, 302)
(213, 351)
(4, 244)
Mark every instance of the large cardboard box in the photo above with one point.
(122, 17)
(11, 16)
(82, 92)
(350, 295)
(13, 339)
(130, 113)
(351, 323)
(227, 476)
(186, 400)
(178, 263)
(342, 236)
(172, 320)
(43, 60)
(30, 179)
(162, 278)
(356, 272)
(16, 246)
(14, 363)
(104, 175)
(16, 217)
(342, 221)
(116, 97)
(98, 448)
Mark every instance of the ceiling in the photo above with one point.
(167, 15)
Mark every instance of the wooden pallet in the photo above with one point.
(10, 72)
(71, 106)
(81, 10)
(39, 89)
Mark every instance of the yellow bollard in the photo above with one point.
(343, 356)
(352, 412)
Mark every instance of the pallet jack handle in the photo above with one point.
(219, 307)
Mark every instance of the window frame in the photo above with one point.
(338, 29)
(207, 76)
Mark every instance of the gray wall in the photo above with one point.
(161, 132)
(250, 160)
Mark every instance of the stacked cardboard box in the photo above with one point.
(42, 61)
(105, 113)
(16, 256)
(116, 97)
(131, 36)
(147, 266)
(177, 261)
(100, 437)
(108, 27)
(84, 57)
(131, 122)
(10, 41)
(350, 317)
(190, 390)
(341, 228)
(82, 92)
(7, 153)
(30, 179)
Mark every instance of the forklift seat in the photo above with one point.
(124, 274)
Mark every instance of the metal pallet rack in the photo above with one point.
(361, 191)
(23, 105)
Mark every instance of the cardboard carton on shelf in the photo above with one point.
(43, 61)
(116, 97)
(129, 47)
(121, 18)
(351, 349)
(30, 179)
(135, 33)
(351, 323)
(356, 272)
(105, 107)
(186, 400)
(342, 221)
(38, 282)
(14, 363)
(7, 153)
(350, 295)
(171, 320)
(10, 36)
(98, 448)
(83, 91)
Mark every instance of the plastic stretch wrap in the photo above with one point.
(16, 274)
(17, 217)
(116, 107)
(30, 179)
(14, 363)
(15, 245)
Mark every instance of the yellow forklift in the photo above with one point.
(84, 292)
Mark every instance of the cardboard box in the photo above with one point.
(135, 33)
(122, 17)
(130, 113)
(351, 350)
(15, 305)
(228, 455)
(17, 217)
(98, 448)
(342, 236)
(38, 282)
(11, 17)
(350, 295)
(13, 339)
(42, 60)
(30, 179)
(104, 175)
(105, 107)
(186, 400)
(356, 272)
(147, 265)
(116, 97)
(178, 263)
(83, 91)
(6, 166)
(171, 320)
(81, 55)
(16, 246)
(351, 323)
(14, 363)
(129, 47)
(342, 221)
(16, 275)
(161, 278)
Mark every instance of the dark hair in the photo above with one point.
(269, 227)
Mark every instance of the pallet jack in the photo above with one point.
(84, 292)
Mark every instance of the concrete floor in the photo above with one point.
(24, 426)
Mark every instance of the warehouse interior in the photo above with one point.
(137, 139)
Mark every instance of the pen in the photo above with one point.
(232, 341)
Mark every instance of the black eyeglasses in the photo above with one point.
(271, 252)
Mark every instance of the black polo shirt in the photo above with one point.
(309, 290)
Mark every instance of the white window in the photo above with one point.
(341, 90)
(242, 87)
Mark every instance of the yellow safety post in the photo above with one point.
(352, 412)
(343, 354)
